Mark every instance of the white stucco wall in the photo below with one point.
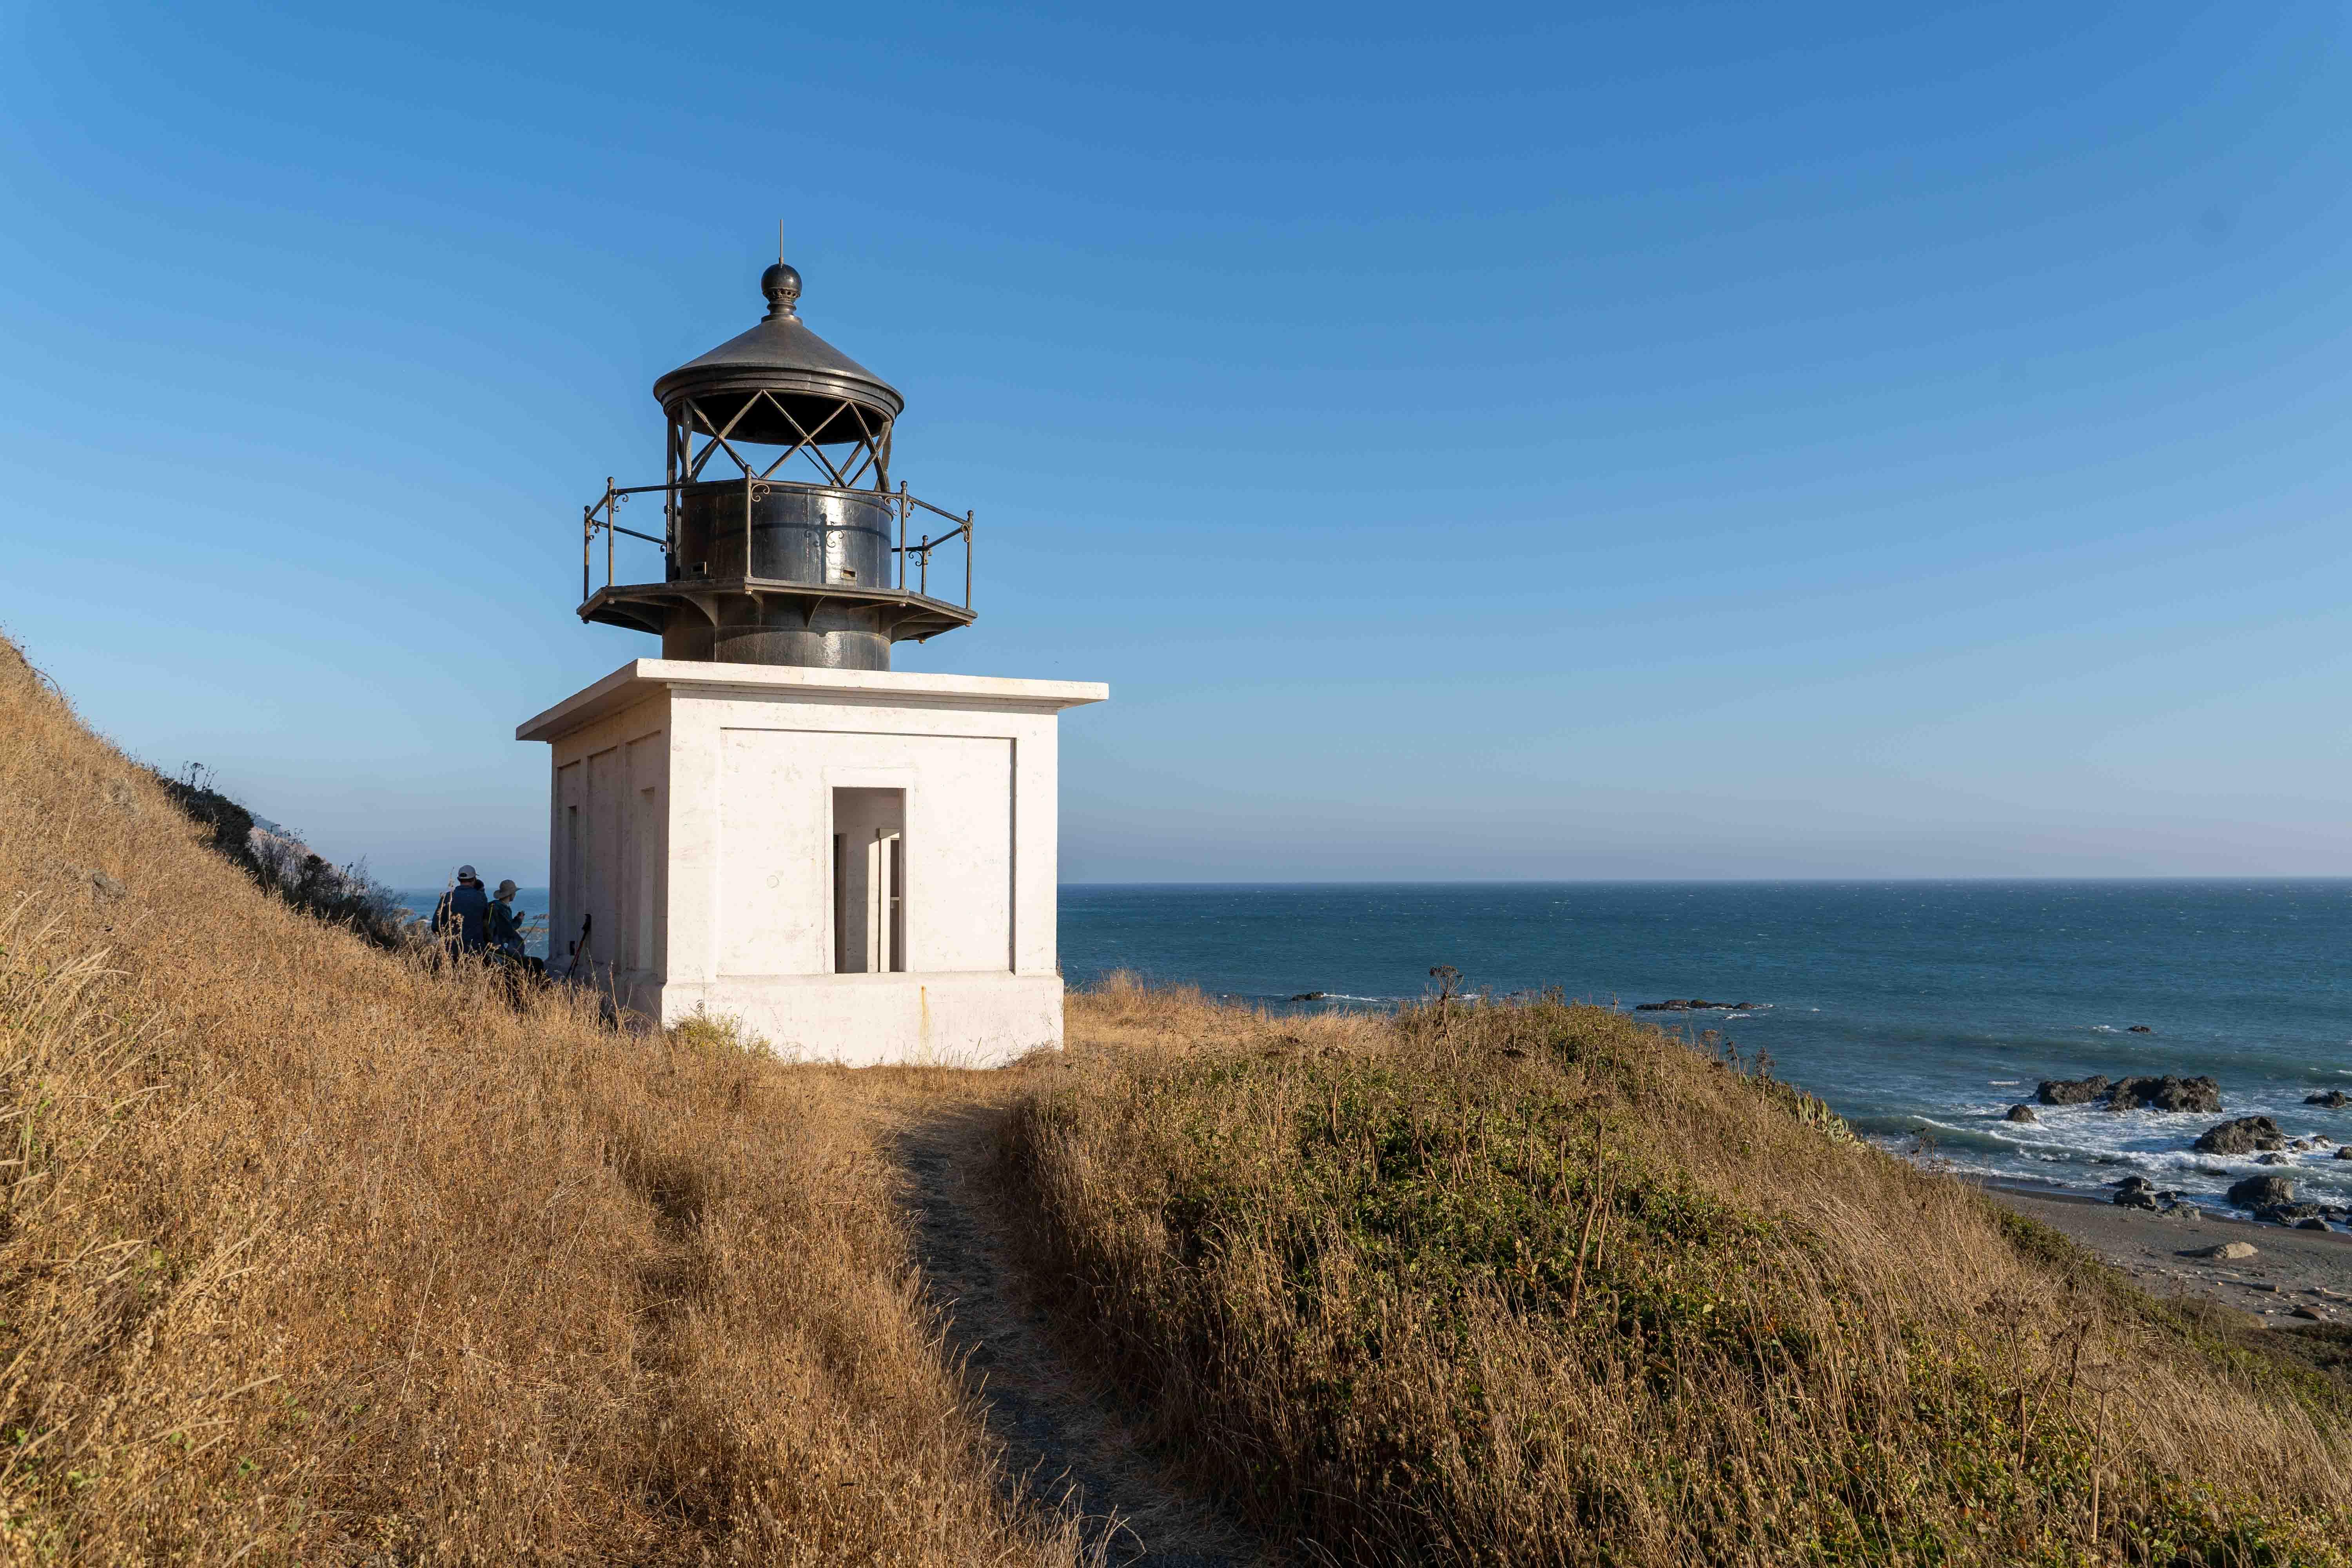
(692, 822)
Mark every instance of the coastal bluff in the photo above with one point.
(326, 1252)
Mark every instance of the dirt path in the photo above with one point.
(1066, 1436)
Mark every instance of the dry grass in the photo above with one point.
(309, 1254)
(1534, 1283)
(313, 1256)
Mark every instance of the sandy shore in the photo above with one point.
(2290, 1268)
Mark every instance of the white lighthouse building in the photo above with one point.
(768, 822)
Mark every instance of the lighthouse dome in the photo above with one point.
(811, 390)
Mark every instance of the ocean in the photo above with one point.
(1920, 1011)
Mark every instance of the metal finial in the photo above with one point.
(782, 285)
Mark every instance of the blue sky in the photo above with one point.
(1674, 441)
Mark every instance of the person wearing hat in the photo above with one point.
(463, 913)
(505, 925)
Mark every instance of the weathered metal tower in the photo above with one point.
(783, 541)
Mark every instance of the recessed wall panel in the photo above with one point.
(775, 911)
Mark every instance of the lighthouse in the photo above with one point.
(767, 822)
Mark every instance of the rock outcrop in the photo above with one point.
(1694, 1005)
(2168, 1093)
(2261, 1192)
(2242, 1136)
(2139, 1192)
(2021, 1112)
(2334, 1099)
(2072, 1092)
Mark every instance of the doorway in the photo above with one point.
(869, 881)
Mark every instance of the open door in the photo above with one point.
(886, 882)
(869, 881)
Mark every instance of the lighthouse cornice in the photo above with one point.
(633, 681)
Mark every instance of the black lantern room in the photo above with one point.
(783, 541)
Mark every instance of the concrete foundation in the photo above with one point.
(858, 866)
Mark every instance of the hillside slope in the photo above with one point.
(1532, 1283)
(313, 1256)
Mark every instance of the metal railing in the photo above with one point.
(904, 504)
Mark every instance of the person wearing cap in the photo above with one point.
(505, 925)
(463, 913)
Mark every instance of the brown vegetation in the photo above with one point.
(1530, 1282)
(312, 1253)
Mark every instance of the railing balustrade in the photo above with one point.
(601, 515)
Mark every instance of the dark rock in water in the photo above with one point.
(2139, 1029)
(2270, 1159)
(2021, 1113)
(2243, 1136)
(2071, 1091)
(1694, 1005)
(2334, 1099)
(2345, 1152)
(2259, 1192)
(2168, 1093)
(2131, 1182)
(1309, 997)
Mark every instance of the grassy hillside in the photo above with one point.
(1532, 1283)
(311, 1255)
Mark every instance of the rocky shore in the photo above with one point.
(2269, 1197)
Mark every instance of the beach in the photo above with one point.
(2289, 1269)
